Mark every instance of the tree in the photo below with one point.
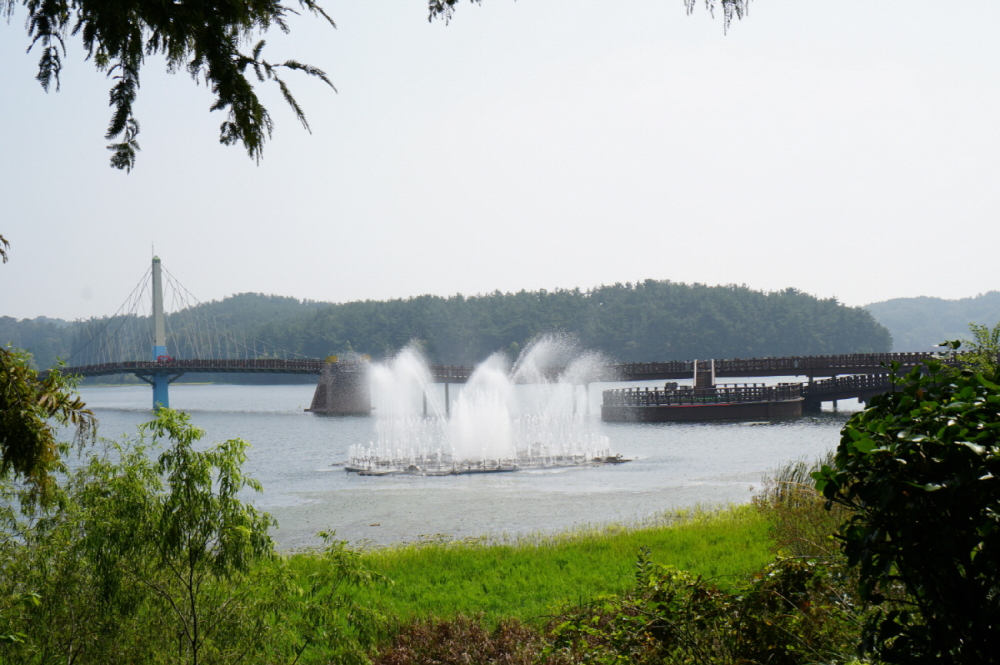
(151, 556)
(206, 38)
(984, 348)
(730, 8)
(920, 473)
(28, 402)
(193, 544)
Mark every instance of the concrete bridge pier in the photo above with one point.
(159, 380)
(343, 389)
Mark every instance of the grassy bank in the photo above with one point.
(526, 578)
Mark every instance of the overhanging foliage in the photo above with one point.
(206, 38)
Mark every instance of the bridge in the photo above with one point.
(343, 388)
(745, 400)
(808, 366)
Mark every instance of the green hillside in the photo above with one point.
(917, 324)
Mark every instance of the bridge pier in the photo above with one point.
(161, 395)
(812, 405)
(159, 380)
(343, 389)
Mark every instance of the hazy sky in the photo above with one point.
(847, 149)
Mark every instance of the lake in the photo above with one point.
(294, 454)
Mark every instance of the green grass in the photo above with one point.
(528, 577)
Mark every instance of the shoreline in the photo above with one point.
(394, 515)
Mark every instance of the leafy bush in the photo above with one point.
(791, 613)
(920, 473)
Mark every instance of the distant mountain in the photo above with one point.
(918, 324)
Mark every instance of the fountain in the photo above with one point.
(532, 415)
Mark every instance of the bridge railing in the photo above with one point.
(221, 365)
(851, 360)
(726, 395)
(857, 383)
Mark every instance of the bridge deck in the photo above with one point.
(844, 387)
(807, 366)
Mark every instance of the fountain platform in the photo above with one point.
(435, 467)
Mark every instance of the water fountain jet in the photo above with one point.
(505, 419)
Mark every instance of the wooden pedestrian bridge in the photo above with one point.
(729, 401)
(343, 387)
(811, 367)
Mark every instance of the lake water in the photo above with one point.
(675, 465)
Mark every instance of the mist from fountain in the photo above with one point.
(505, 418)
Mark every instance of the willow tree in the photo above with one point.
(217, 42)
(730, 8)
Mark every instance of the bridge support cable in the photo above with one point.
(115, 338)
(208, 331)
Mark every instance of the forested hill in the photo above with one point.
(918, 324)
(646, 321)
(652, 320)
(46, 338)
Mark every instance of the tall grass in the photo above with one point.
(527, 578)
(801, 524)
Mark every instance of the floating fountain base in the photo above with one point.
(435, 467)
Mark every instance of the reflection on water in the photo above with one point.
(675, 465)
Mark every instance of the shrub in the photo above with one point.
(920, 473)
(791, 613)
(461, 641)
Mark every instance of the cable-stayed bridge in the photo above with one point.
(141, 338)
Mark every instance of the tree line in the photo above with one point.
(632, 322)
(644, 321)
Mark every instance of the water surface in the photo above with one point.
(294, 455)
